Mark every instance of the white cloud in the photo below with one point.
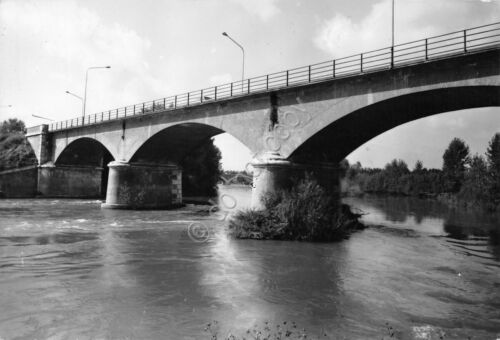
(265, 9)
(58, 40)
(341, 36)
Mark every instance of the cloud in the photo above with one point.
(54, 42)
(265, 9)
(340, 36)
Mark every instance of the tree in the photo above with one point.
(493, 155)
(201, 171)
(15, 151)
(419, 166)
(455, 159)
(493, 158)
(475, 188)
(12, 125)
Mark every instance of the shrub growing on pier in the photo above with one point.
(304, 213)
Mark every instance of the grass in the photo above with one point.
(306, 212)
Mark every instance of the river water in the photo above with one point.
(69, 269)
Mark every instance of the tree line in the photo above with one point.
(15, 151)
(471, 179)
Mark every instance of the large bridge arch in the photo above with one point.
(338, 139)
(84, 151)
(173, 143)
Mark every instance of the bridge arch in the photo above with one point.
(344, 135)
(84, 151)
(172, 144)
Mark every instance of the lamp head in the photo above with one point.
(224, 34)
(108, 66)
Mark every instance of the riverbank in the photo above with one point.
(449, 199)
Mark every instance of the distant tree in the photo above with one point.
(475, 188)
(493, 155)
(201, 171)
(396, 168)
(493, 158)
(343, 167)
(12, 125)
(455, 159)
(419, 167)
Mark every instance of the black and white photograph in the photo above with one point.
(250, 169)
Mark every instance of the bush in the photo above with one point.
(304, 213)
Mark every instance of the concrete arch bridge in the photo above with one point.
(296, 121)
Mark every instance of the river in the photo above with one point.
(69, 269)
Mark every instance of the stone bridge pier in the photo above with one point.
(272, 172)
(143, 186)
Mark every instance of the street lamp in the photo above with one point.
(42, 118)
(242, 50)
(86, 79)
(392, 40)
(75, 95)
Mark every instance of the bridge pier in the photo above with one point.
(273, 172)
(143, 186)
(72, 181)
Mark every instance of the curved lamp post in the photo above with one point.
(75, 95)
(43, 118)
(243, 65)
(86, 79)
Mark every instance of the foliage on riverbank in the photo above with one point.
(464, 180)
(201, 170)
(15, 151)
(304, 213)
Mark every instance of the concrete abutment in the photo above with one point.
(69, 181)
(143, 186)
(272, 172)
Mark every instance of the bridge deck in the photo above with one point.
(448, 45)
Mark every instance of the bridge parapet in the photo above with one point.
(420, 51)
(37, 130)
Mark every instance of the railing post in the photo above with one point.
(188, 100)
(215, 92)
(125, 111)
(164, 104)
(465, 41)
(102, 116)
(134, 109)
(116, 113)
(109, 114)
(309, 74)
(426, 50)
(143, 108)
(231, 90)
(201, 96)
(361, 62)
(153, 105)
(392, 56)
(175, 102)
(267, 82)
(248, 86)
(286, 78)
(334, 68)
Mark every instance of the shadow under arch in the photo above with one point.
(87, 152)
(172, 144)
(337, 140)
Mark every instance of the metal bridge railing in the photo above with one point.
(441, 46)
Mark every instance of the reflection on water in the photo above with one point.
(71, 270)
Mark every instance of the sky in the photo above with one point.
(160, 48)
